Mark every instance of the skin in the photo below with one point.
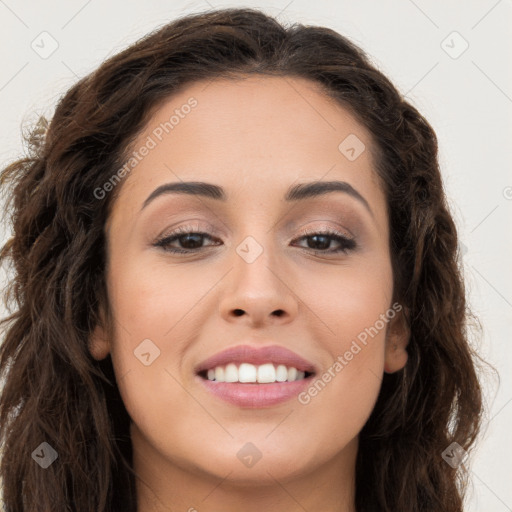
(254, 137)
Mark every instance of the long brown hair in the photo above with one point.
(55, 392)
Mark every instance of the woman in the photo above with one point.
(237, 286)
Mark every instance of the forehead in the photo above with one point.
(295, 108)
(255, 135)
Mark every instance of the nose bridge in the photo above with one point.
(258, 286)
(255, 264)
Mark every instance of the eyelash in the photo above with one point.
(347, 244)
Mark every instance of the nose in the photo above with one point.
(259, 293)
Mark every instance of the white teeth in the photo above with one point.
(219, 374)
(292, 374)
(247, 373)
(263, 374)
(281, 373)
(231, 373)
(266, 373)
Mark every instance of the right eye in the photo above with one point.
(187, 237)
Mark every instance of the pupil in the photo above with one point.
(324, 245)
(186, 238)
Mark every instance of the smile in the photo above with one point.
(255, 376)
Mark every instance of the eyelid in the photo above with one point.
(324, 230)
(342, 229)
(186, 226)
(196, 225)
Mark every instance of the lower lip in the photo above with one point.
(255, 396)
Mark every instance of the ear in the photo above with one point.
(99, 342)
(397, 339)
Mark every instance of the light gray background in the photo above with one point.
(467, 98)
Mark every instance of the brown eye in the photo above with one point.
(188, 241)
(321, 242)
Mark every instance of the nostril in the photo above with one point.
(238, 312)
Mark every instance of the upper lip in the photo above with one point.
(257, 355)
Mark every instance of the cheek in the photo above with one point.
(150, 306)
(354, 306)
(150, 300)
(162, 410)
(342, 396)
(147, 318)
(350, 300)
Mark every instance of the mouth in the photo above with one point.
(267, 373)
(251, 377)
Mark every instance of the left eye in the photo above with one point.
(191, 241)
(322, 240)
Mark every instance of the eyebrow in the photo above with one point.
(295, 193)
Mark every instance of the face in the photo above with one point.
(310, 274)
